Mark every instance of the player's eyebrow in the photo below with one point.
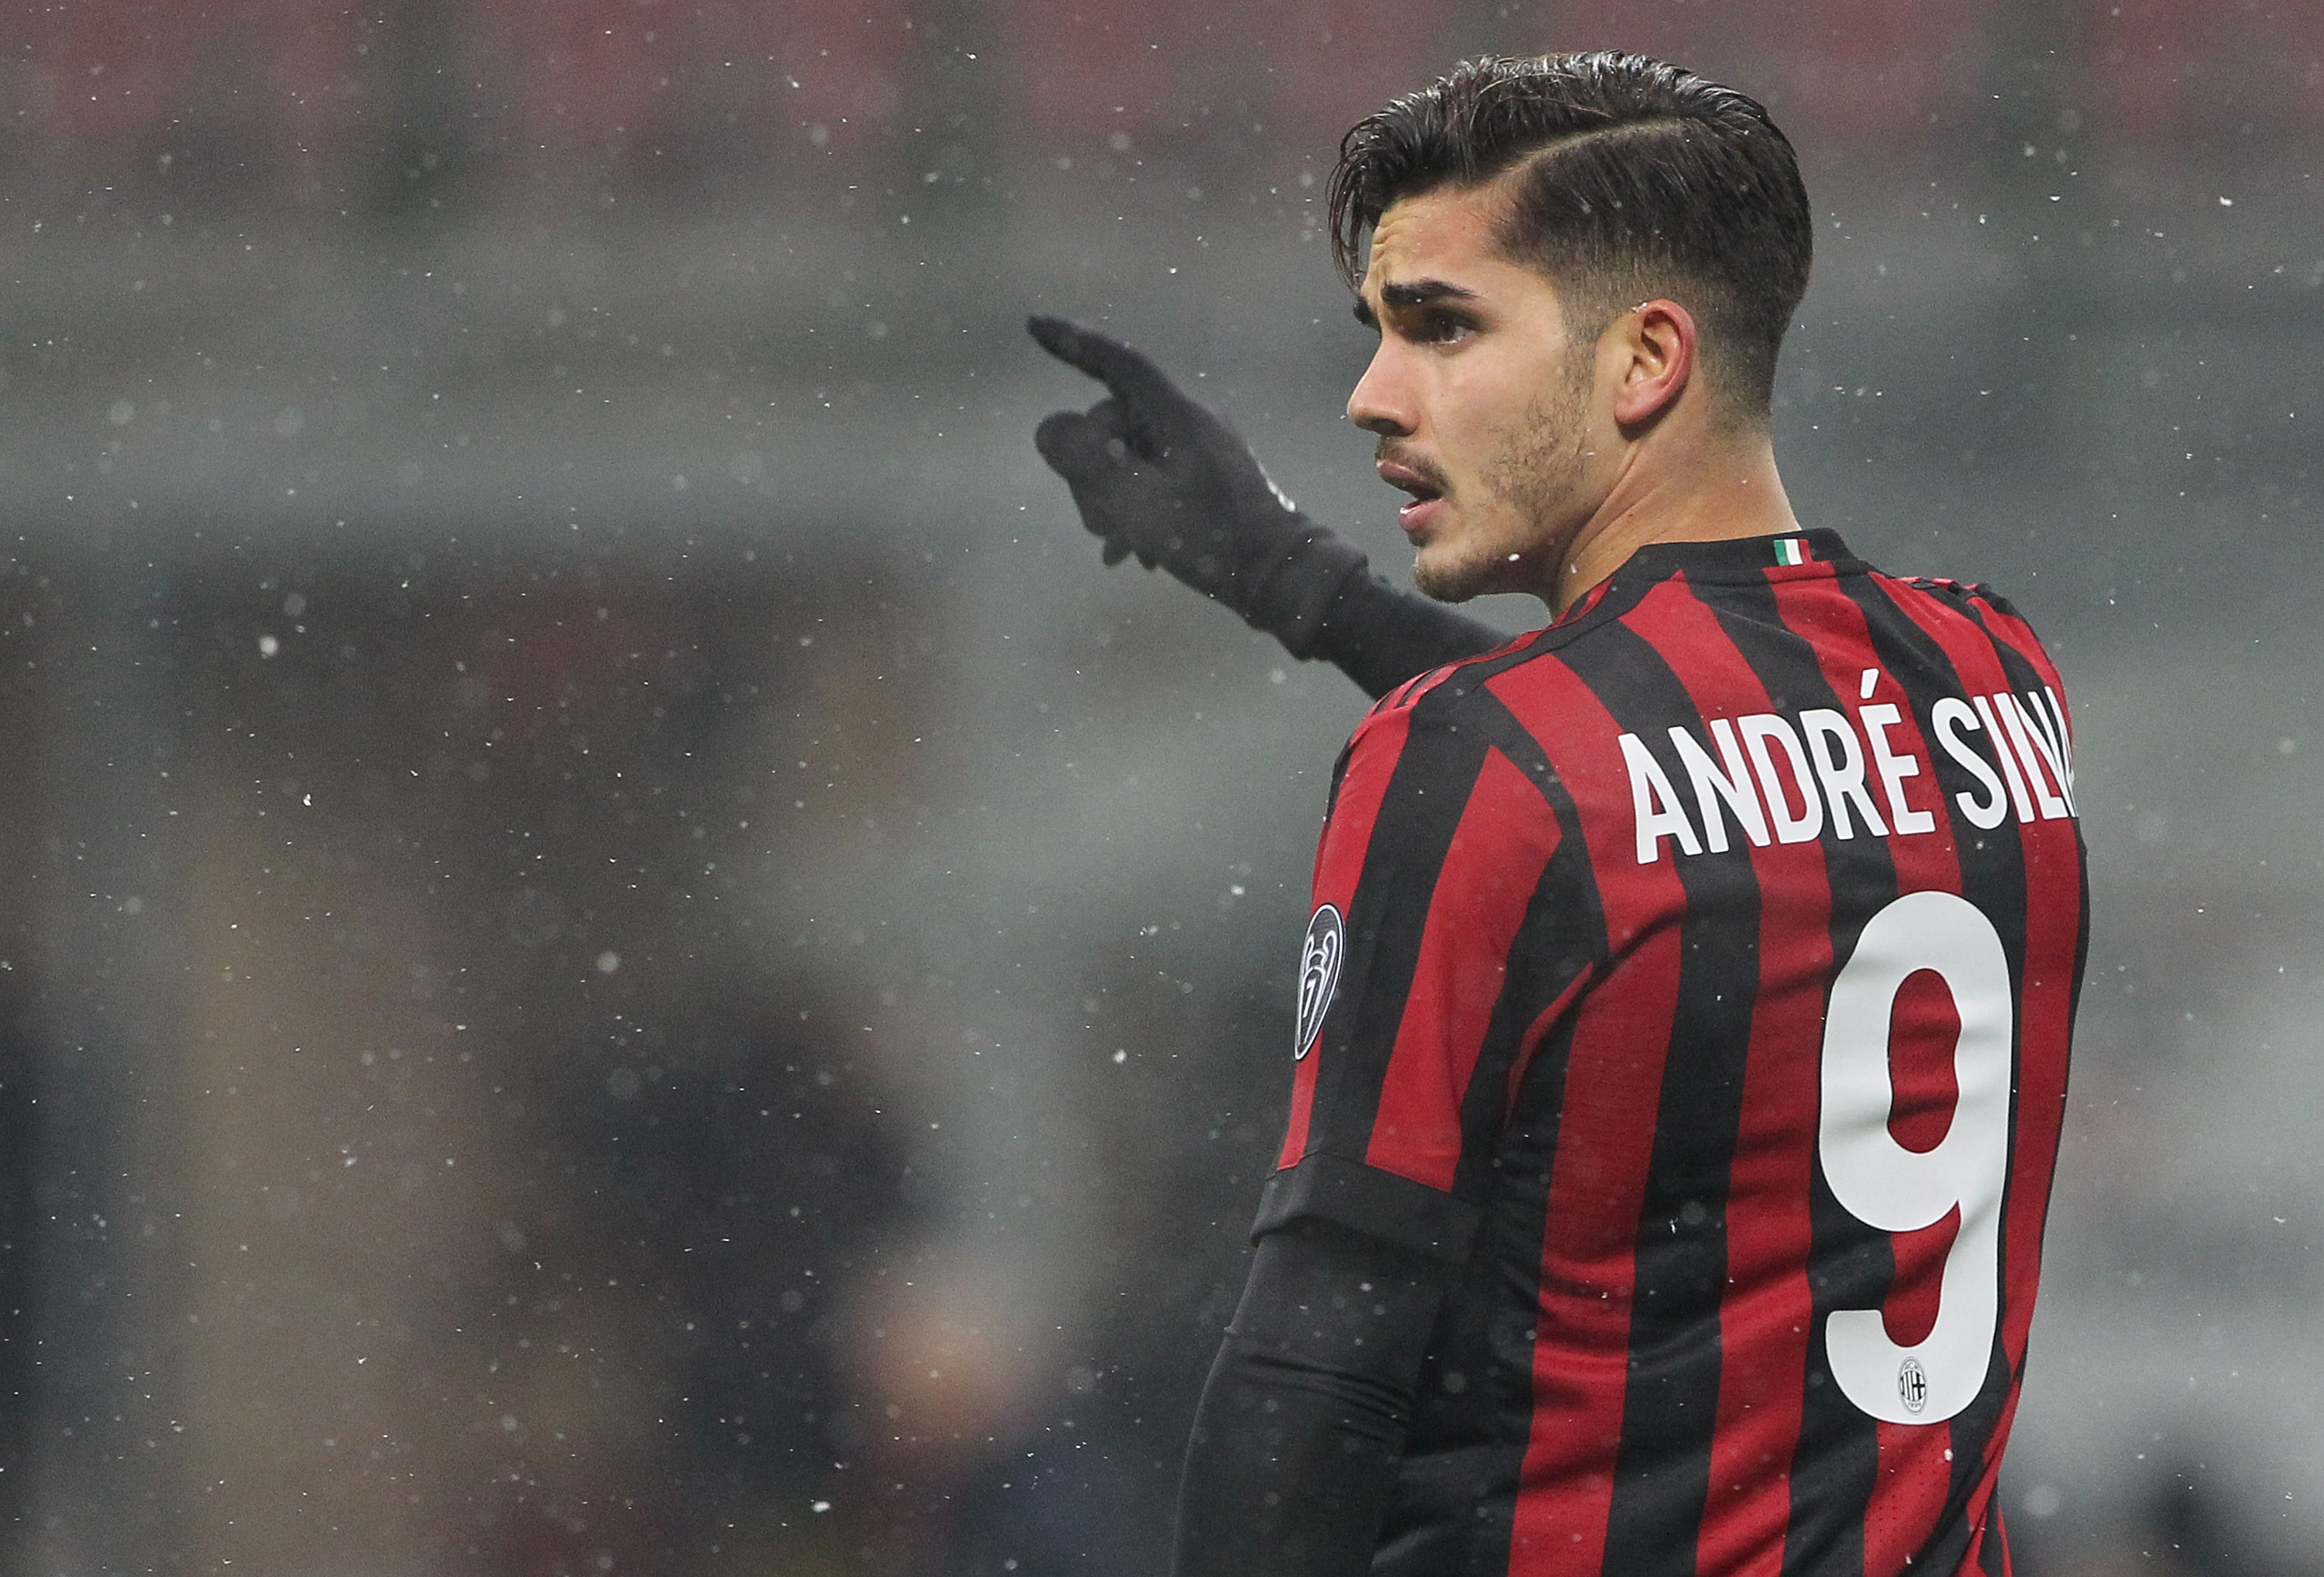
(1413, 293)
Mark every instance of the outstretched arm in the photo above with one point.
(1157, 474)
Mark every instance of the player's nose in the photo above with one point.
(1380, 402)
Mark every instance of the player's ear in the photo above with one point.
(1652, 349)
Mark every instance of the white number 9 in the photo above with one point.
(1898, 1190)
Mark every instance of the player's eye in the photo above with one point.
(1442, 328)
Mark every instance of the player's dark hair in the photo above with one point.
(1640, 180)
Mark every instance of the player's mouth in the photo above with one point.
(1424, 481)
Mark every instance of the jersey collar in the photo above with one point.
(1740, 557)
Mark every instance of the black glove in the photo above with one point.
(1156, 474)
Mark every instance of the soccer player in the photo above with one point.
(1682, 1028)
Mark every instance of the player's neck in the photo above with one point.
(1701, 491)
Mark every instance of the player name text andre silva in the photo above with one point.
(1788, 780)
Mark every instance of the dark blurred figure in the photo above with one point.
(20, 1141)
(716, 1195)
(2184, 1517)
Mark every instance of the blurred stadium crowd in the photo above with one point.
(311, 101)
(622, 955)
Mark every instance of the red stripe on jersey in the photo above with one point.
(1505, 837)
(1906, 1496)
(2054, 925)
(1597, 1188)
(1605, 1148)
(1765, 1312)
(1372, 755)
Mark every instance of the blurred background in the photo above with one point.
(621, 955)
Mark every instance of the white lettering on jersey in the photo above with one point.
(1893, 769)
(1951, 715)
(2011, 770)
(1654, 804)
(1828, 762)
(1759, 729)
(1842, 775)
(1729, 779)
(2026, 731)
(2052, 728)
(1893, 1189)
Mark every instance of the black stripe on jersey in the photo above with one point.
(1837, 1460)
(1386, 922)
(1993, 1555)
(1502, 1285)
(2026, 680)
(1662, 1470)
(1992, 867)
(1486, 1335)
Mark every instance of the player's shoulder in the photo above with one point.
(1441, 708)
(1974, 603)
(1428, 697)
(1968, 596)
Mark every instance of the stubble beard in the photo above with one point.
(1532, 478)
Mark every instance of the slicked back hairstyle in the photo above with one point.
(1633, 180)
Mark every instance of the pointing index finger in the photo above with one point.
(1127, 371)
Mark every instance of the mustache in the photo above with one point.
(1389, 452)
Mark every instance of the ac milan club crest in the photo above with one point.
(1913, 1385)
(1319, 976)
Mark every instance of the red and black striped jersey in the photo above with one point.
(1697, 974)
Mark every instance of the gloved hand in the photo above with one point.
(1156, 474)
